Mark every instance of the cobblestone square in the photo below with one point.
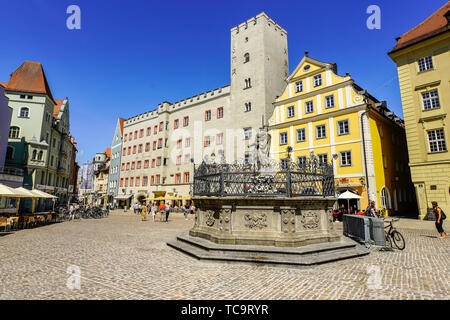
(121, 257)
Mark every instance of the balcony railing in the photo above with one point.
(11, 171)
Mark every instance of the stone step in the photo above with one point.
(313, 248)
(308, 258)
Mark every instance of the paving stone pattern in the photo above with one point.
(121, 257)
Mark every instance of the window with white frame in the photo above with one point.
(14, 132)
(284, 163)
(430, 100)
(345, 158)
(343, 127)
(323, 158)
(317, 80)
(283, 138)
(299, 86)
(290, 111)
(301, 161)
(248, 133)
(329, 101)
(301, 135)
(425, 63)
(309, 106)
(24, 112)
(436, 140)
(321, 131)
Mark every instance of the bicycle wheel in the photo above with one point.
(398, 240)
(388, 239)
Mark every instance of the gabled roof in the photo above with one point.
(121, 120)
(435, 24)
(306, 58)
(30, 77)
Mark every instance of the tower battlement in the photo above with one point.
(260, 18)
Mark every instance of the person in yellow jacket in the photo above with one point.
(144, 212)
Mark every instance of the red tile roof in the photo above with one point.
(57, 108)
(108, 153)
(29, 77)
(4, 84)
(121, 120)
(433, 25)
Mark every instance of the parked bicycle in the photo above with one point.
(393, 236)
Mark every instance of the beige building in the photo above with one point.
(158, 145)
(422, 56)
(101, 173)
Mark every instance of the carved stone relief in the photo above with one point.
(255, 220)
(310, 219)
(287, 220)
(209, 218)
(225, 220)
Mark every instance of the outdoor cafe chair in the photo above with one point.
(5, 223)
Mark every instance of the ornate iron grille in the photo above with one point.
(285, 179)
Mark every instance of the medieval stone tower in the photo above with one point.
(259, 67)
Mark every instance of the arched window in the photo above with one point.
(14, 132)
(385, 198)
(40, 155)
(246, 57)
(24, 112)
(34, 155)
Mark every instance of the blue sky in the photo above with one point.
(131, 55)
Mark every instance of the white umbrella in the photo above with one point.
(349, 195)
(6, 191)
(43, 194)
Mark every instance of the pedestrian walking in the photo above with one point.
(162, 209)
(167, 211)
(154, 209)
(186, 211)
(72, 212)
(440, 217)
(192, 209)
(371, 211)
(144, 212)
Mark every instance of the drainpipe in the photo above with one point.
(364, 144)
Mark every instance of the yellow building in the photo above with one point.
(330, 116)
(422, 56)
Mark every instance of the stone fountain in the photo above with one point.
(265, 213)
